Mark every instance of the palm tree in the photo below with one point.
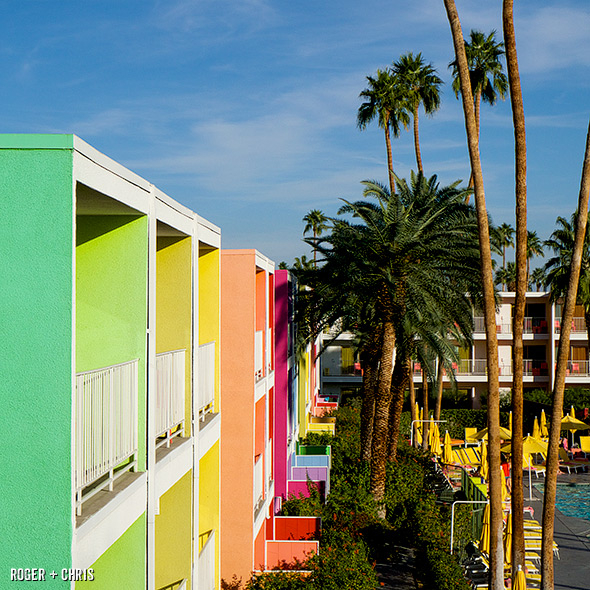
(382, 100)
(419, 85)
(518, 547)
(506, 277)
(489, 306)
(488, 81)
(560, 372)
(406, 260)
(316, 222)
(505, 233)
(538, 279)
(534, 247)
(556, 269)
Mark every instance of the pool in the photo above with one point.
(572, 499)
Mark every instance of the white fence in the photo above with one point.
(207, 564)
(106, 425)
(206, 378)
(259, 354)
(170, 386)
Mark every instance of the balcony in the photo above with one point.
(472, 367)
(207, 561)
(578, 325)
(293, 540)
(310, 462)
(535, 325)
(577, 369)
(206, 380)
(531, 325)
(170, 380)
(106, 428)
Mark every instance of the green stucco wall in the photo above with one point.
(123, 564)
(36, 243)
(111, 301)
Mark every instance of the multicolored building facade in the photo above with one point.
(152, 399)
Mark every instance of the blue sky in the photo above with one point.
(245, 110)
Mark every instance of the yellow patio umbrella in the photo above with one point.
(573, 424)
(536, 429)
(520, 582)
(484, 468)
(431, 432)
(543, 425)
(530, 445)
(484, 540)
(572, 415)
(436, 446)
(504, 489)
(510, 421)
(447, 449)
(483, 434)
(508, 540)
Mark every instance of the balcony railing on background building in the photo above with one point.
(170, 380)
(577, 368)
(206, 379)
(106, 427)
(259, 354)
(207, 562)
(535, 326)
(578, 325)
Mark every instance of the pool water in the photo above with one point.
(572, 499)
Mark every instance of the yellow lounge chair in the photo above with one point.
(585, 445)
(469, 432)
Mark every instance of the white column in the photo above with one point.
(152, 500)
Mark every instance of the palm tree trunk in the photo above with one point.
(399, 382)
(381, 422)
(559, 387)
(518, 550)
(425, 409)
(439, 389)
(370, 362)
(417, 142)
(389, 159)
(412, 396)
(489, 306)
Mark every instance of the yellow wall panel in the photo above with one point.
(174, 533)
(209, 500)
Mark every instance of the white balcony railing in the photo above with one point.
(106, 427)
(170, 380)
(472, 367)
(207, 564)
(578, 325)
(268, 464)
(269, 347)
(258, 480)
(577, 368)
(206, 380)
(259, 354)
(535, 325)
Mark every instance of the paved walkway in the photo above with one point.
(398, 572)
(572, 535)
